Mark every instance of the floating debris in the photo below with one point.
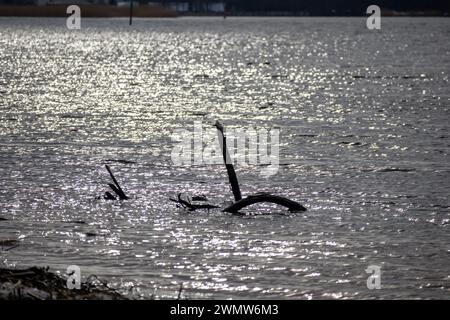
(269, 104)
(187, 204)
(121, 161)
(115, 187)
(239, 202)
(259, 198)
(279, 76)
(201, 76)
(90, 234)
(395, 170)
(199, 198)
(307, 135)
(8, 242)
(76, 221)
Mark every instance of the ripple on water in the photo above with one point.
(362, 118)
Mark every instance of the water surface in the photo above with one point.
(364, 131)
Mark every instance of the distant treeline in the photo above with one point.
(339, 7)
(310, 7)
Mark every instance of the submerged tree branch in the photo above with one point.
(115, 187)
(291, 205)
(227, 160)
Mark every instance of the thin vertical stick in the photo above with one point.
(230, 168)
(131, 12)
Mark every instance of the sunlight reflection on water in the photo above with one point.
(364, 132)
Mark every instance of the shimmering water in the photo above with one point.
(364, 131)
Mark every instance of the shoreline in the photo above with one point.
(87, 11)
(156, 11)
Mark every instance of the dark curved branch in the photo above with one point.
(291, 205)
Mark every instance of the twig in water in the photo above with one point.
(116, 186)
(179, 291)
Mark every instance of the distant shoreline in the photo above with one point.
(384, 13)
(154, 11)
(94, 11)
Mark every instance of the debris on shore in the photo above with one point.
(40, 284)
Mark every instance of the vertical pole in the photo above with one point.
(131, 12)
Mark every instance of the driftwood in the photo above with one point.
(228, 164)
(258, 198)
(291, 205)
(187, 204)
(115, 187)
(239, 203)
(108, 196)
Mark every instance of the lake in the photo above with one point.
(363, 119)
